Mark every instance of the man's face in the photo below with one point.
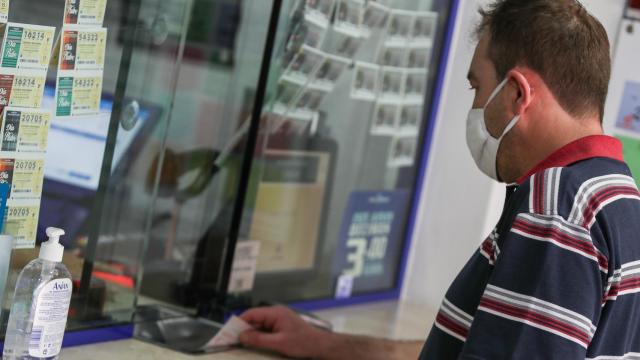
(484, 80)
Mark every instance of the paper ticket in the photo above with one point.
(82, 48)
(21, 221)
(28, 176)
(25, 130)
(4, 11)
(27, 46)
(78, 93)
(84, 12)
(22, 89)
(228, 335)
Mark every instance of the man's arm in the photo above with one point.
(281, 330)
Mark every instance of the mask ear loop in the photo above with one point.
(496, 91)
(509, 127)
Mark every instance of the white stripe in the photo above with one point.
(486, 255)
(629, 291)
(548, 191)
(609, 201)
(452, 315)
(587, 188)
(586, 191)
(561, 223)
(632, 272)
(631, 264)
(443, 328)
(551, 305)
(466, 316)
(590, 328)
(541, 327)
(556, 243)
(556, 192)
(627, 356)
(531, 191)
(615, 278)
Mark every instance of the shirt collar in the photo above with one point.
(581, 149)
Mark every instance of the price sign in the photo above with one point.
(371, 238)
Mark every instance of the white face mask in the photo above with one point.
(483, 146)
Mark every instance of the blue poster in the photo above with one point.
(371, 239)
(629, 116)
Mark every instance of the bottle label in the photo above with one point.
(50, 318)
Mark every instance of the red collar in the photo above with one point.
(582, 149)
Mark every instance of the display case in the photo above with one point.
(205, 156)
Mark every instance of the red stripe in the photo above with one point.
(538, 194)
(487, 246)
(563, 238)
(629, 284)
(597, 199)
(452, 325)
(536, 318)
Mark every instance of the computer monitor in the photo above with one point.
(73, 162)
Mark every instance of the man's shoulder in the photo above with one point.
(578, 192)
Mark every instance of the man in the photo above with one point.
(559, 277)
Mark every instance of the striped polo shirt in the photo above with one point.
(559, 277)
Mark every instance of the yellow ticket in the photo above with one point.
(22, 89)
(82, 48)
(84, 12)
(78, 93)
(27, 46)
(4, 11)
(21, 221)
(28, 176)
(25, 130)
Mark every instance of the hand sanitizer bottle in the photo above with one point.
(40, 305)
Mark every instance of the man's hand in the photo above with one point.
(281, 330)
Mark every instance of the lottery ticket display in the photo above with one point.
(81, 58)
(25, 56)
(24, 134)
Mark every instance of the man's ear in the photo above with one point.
(524, 93)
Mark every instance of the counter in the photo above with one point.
(393, 320)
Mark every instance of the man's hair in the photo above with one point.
(559, 40)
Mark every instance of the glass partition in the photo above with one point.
(341, 140)
(109, 89)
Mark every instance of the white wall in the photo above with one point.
(459, 205)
